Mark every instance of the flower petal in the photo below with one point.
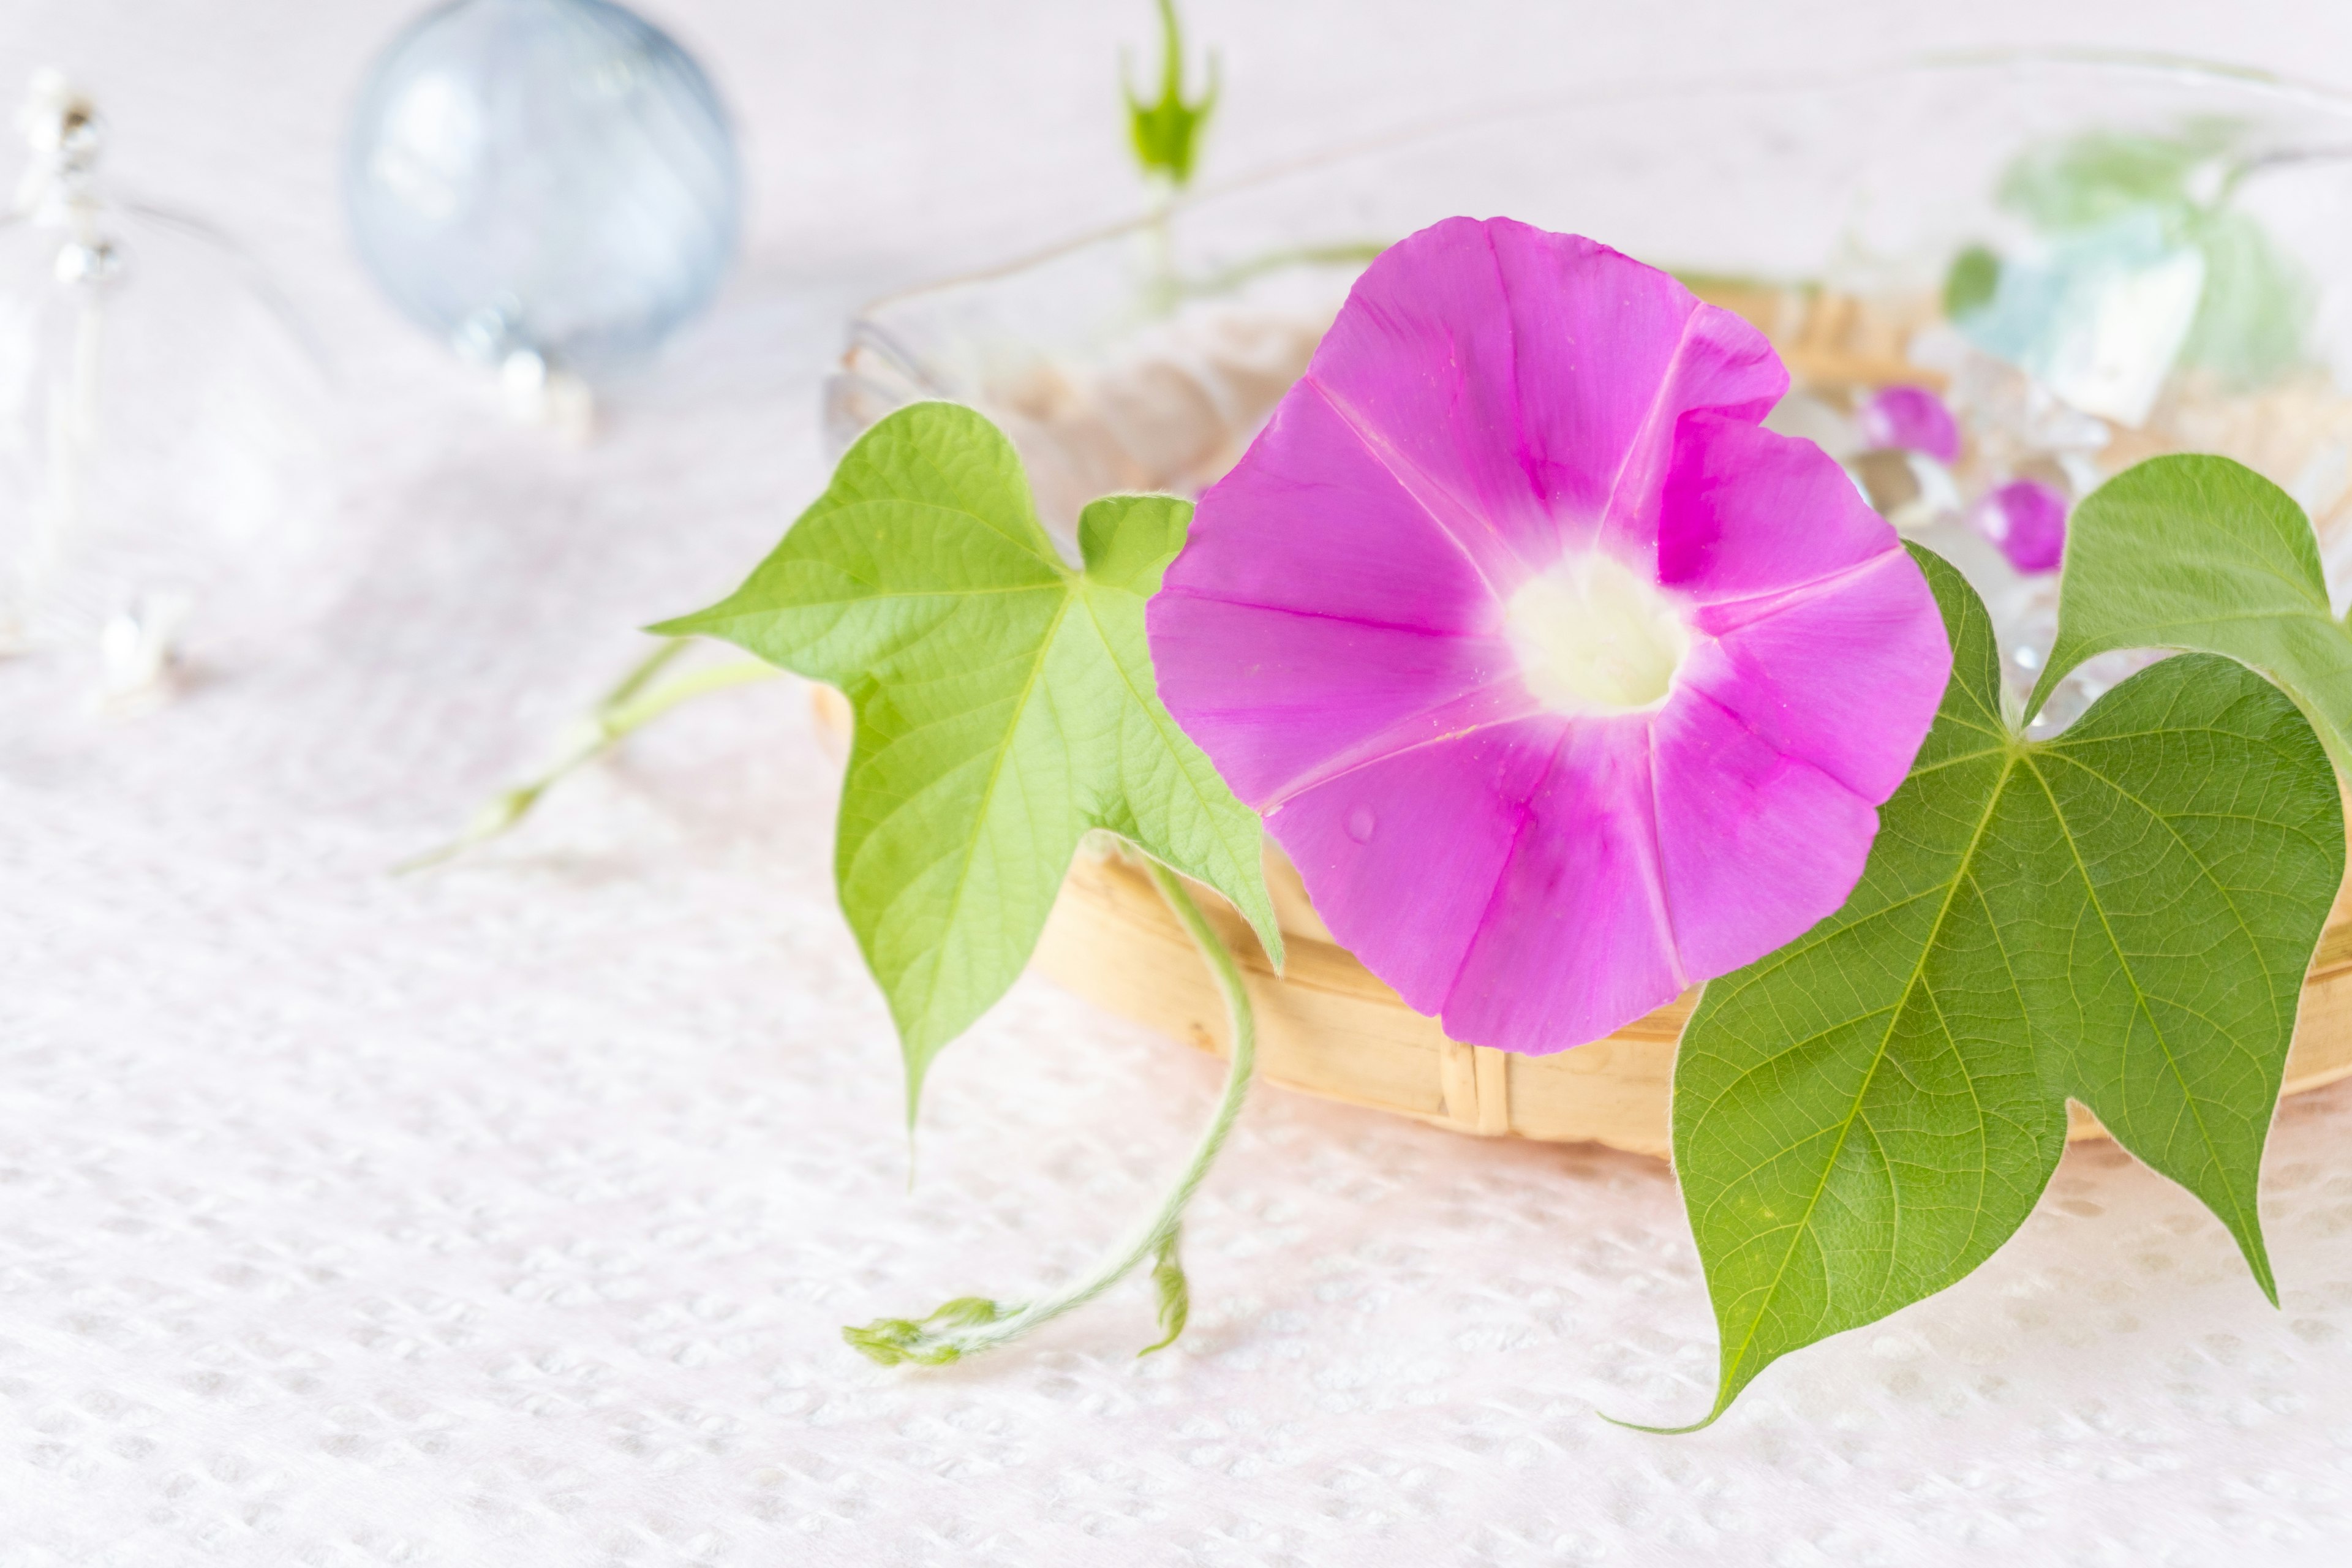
(1844, 674)
(1822, 634)
(1507, 881)
(1310, 521)
(1574, 942)
(1280, 697)
(1403, 856)
(1745, 511)
(1754, 847)
(1516, 380)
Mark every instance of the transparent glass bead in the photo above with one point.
(549, 186)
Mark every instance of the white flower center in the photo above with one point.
(1593, 637)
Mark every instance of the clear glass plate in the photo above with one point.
(1831, 211)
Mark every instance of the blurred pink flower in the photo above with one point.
(2027, 520)
(1913, 420)
(1564, 683)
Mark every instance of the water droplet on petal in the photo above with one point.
(1360, 823)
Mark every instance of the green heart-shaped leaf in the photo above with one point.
(1004, 706)
(2203, 554)
(2122, 915)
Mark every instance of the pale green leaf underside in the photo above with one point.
(2122, 916)
(1004, 706)
(2203, 554)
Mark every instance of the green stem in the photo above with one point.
(642, 673)
(628, 707)
(972, 1324)
(616, 723)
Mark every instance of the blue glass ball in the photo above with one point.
(550, 177)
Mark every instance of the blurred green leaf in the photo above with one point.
(2255, 310)
(1974, 280)
(2087, 181)
(2257, 306)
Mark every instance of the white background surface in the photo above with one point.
(509, 1217)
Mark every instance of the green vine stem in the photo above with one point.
(629, 707)
(972, 1324)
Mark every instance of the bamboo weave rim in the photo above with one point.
(1328, 1026)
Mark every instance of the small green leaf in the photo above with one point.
(926, 1342)
(970, 1311)
(2122, 915)
(886, 1341)
(1175, 1293)
(1166, 134)
(2203, 554)
(1005, 703)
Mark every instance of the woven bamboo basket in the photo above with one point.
(1328, 1026)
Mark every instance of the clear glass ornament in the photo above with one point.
(549, 186)
(165, 426)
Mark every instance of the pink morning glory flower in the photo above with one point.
(2027, 520)
(1912, 418)
(1564, 683)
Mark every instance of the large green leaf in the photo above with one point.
(2122, 915)
(2204, 554)
(1005, 705)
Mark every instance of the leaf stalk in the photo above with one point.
(628, 707)
(972, 1324)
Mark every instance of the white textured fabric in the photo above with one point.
(508, 1215)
